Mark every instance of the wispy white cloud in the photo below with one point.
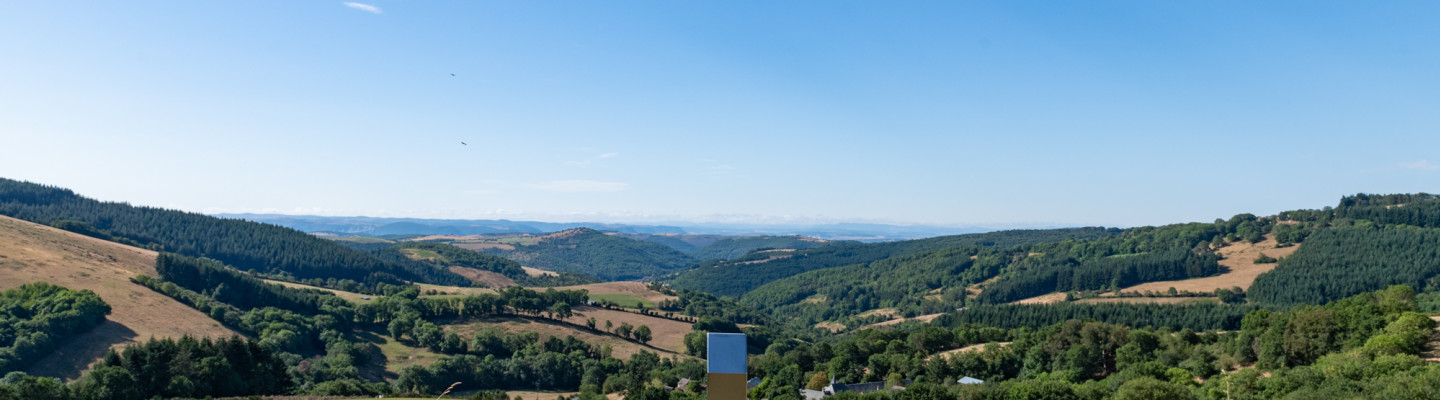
(586, 162)
(363, 7)
(1424, 165)
(578, 186)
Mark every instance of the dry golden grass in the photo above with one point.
(486, 278)
(924, 318)
(538, 272)
(37, 253)
(1239, 263)
(1043, 299)
(667, 334)
(968, 349)
(454, 290)
(815, 299)
(831, 326)
(620, 348)
(636, 289)
(350, 296)
(1432, 352)
(888, 312)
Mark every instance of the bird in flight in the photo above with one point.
(452, 74)
(464, 143)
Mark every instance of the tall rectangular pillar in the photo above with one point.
(725, 362)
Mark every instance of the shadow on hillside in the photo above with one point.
(73, 358)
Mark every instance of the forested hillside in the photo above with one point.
(590, 252)
(441, 255)
(738, 276)
(242, 244)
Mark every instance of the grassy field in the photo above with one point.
(621, 348)
(623, 299)
(36, 253)
(423, 254)
(349, 296)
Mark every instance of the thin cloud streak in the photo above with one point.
(363, 7)
(1424, 165)
(580, 186)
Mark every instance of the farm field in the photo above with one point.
(621, 348)
(668, 334)
(349, 296)
(634, 289)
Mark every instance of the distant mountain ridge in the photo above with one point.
(374, 226)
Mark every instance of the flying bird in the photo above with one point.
(452, 74)
(464, 143)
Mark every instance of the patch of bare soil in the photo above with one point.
(37, 253)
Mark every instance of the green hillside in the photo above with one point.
(590, 252)
(741, 275)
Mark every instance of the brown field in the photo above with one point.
(351, 296)
(479, 246)
(486, 278)
(924, 318)
(1043, 299)
(621, 348)
(831, 326)
(968, 349)
(667, 334)
(817, 299)
(454, 290)
(636, 289)
(1239, 259)
(36, 253)
(888, 312)
(1140, 300)
(539, 272)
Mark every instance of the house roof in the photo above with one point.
(969, 381)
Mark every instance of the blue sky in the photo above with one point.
(959, 113)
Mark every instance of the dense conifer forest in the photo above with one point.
(242, 244)
(741, 275)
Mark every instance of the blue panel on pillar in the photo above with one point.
(725, 353)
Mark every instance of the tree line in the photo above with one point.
(37, 318)
(243, 244)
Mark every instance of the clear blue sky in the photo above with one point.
(1048, 112)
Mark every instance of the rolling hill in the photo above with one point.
(581, 250)
(37, 253)
(243, 244)
(739, 276)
